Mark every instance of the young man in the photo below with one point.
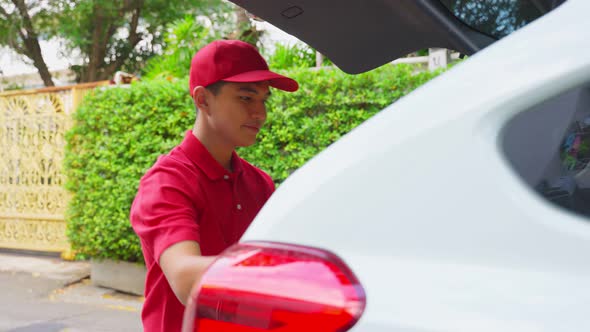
(199, 199)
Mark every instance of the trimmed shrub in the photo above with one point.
(328, 105)
(119, 133)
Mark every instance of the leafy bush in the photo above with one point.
(183, 39)
(186, 36)
(293, 57)
(119, 133)
(328, 105)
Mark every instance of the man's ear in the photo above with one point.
(201, 98)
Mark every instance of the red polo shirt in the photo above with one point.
(188, 195)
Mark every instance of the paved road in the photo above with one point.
(31, 303)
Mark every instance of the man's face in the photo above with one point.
(238, 112)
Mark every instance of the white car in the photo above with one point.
(464, 206)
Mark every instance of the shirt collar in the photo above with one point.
(200, 156)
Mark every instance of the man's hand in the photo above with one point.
(183, 265)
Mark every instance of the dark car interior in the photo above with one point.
(549, 147)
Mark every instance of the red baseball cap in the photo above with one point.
(234, 61)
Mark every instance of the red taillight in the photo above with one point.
(260, 286)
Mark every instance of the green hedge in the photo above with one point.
(119, 133)
(328, 105)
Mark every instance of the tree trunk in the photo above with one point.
(39, 63)
(319, 59)
(134, 38)
(244, 30)
(97, 68)
(242, 21)
(97, 48)
(31, 41)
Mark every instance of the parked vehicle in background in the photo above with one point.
(464, 206)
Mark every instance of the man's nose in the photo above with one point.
(259, 111)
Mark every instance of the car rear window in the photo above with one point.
(499, 18)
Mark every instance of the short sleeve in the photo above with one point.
(164, 211)
(269, 182)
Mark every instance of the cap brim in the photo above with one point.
(276, 80)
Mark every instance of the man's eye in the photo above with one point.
(245, 98)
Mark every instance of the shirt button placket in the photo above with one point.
(238, 205)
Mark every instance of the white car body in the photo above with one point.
(424, 206)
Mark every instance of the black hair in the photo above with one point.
(215, 88)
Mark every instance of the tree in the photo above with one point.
(21, 24)
(244, 29)
(123, 34)
(182, 39)
(186, 36)
(108, 35)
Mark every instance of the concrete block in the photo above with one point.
(122, 276)
(438, 58)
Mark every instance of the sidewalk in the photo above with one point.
(49, 294)
(52, 268)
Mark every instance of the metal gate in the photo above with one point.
(33, 198)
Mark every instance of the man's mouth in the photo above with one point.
(253, 127)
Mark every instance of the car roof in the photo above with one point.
(360, 35)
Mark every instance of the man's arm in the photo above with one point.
(183, 265)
